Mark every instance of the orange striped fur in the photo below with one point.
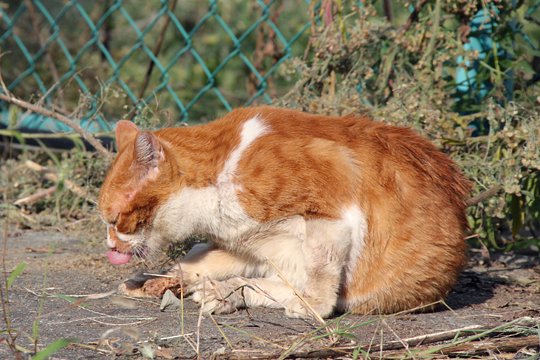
(358, 215)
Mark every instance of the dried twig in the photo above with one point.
(43, 193)
(387, 8)
(89, 346)
(156, 50)
(484, 195)
(52, 176)
(428, 51)
(401, 342)
(10, 332)
(414, 15)
(430, 338)
(71, 136)
(229, 344)
(309, 45)
(468, 344)
(505, 344)
(62, 118)
(266, 47)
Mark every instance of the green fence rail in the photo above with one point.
(184, 60)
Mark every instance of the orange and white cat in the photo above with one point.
(351, 214)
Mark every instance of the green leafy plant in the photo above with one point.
(52, 348)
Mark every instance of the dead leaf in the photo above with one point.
(164, 353)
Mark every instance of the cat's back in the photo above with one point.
(372, 143)
(330, 160)
(356, 132)
(297, 124)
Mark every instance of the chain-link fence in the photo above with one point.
(189, 60)
(184, 60)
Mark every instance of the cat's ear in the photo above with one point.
(126, 131)
(148, 151)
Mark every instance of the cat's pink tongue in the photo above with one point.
(118, 258)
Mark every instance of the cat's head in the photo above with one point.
(135, 185)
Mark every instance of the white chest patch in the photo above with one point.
(214, 210)
(233, 219)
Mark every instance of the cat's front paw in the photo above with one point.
(217, 297)
(300, 310)
(150, 288)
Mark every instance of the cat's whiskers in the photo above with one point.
(148, 255)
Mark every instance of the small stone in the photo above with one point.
(169, 301)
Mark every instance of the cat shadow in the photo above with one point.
(476, 285)
(473, 288)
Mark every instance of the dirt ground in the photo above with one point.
(63, 267)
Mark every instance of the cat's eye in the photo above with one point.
(111, 222)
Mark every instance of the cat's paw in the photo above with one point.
(151, 288)
(299, 310)
(217, 297)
